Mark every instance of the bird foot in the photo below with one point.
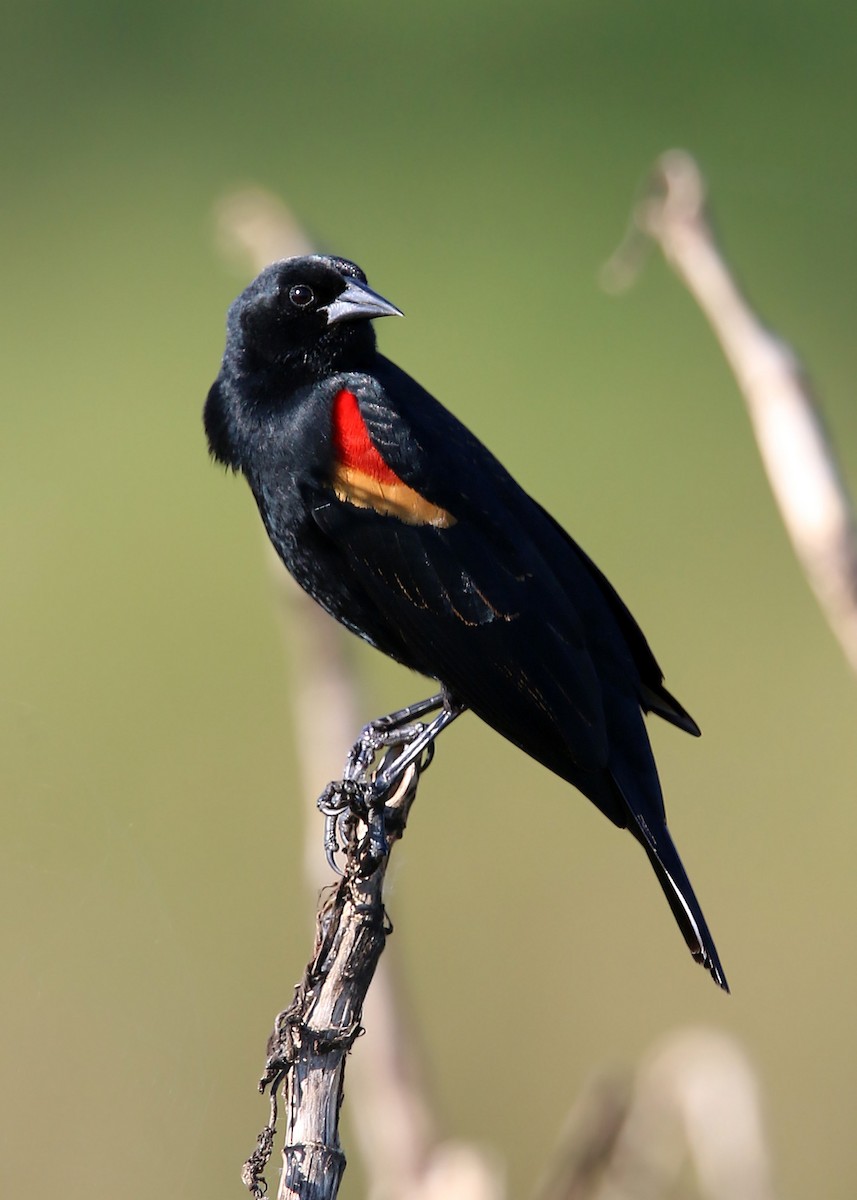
(372, 795)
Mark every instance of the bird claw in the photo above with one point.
(363, 795)
(370, 794)
(366, 793)
(342, 800)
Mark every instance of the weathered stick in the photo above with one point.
(796, 452)
(311, 1038)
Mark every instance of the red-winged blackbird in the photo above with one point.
(404, 527)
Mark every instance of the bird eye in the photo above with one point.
(301, 295)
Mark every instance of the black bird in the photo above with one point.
(404, 527)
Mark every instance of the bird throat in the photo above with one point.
(361, 476)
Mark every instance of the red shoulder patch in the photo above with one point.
(353, 446)
(362, 478)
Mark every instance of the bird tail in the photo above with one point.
(681, 898)
(635, 778)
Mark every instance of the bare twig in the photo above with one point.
(796, 452)
(694, 1103)
(313, 1035)
(589, 1141)
(253, 225)
(695, 1099)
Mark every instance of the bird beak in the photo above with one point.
(359, 301)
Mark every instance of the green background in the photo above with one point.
(479, 161)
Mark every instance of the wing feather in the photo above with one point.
(478, 623)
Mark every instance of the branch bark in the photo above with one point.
(311, 1038)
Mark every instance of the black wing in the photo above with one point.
(479, 620)
(439, 456)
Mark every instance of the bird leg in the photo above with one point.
(423, 742)
(409, 747)
(396, 720)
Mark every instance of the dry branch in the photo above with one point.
(311, 1038)
(795, 449)
(693, 1108)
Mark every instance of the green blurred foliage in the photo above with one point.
(479, 161)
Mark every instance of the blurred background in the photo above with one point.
(479, 162)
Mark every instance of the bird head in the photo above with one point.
(306, 310)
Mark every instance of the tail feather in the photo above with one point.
(681, 898)
(634, 777)
(663, 704)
